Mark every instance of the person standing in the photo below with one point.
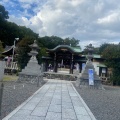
(9, 61)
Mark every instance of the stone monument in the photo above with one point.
(33, 71)
(84, 78)
(2, 67)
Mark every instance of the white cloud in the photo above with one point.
(95, 21)
(114, 17)
(26, 6)
(111, 22)
(5, 0)
(28, 1)
(20, 21)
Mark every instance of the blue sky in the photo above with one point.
(90, 21)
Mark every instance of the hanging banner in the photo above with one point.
(91, 77)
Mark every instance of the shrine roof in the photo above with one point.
(101, 65)
(94, 56)
(46, 57)
(76, 49)
(8, 50)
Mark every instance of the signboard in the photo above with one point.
(103, 70)
(77, 66)
(91, 77)
(83, 66)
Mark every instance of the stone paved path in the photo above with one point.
(56, 100)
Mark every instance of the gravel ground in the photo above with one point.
(12, 98)
(105, 104)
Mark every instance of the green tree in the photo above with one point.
(53, 41)
(103, 47)
(24, 31)
(71, 41)
(9, 30)
(3, 13)
(23, 50)
(3, 17)
(50, 42)
(112, 60)
(1, 47)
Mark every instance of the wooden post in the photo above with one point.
(71, 65)
(55, 63)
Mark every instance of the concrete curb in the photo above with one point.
(20, 106)
(85, 105)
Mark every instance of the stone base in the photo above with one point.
(85, 83)
(33, 79)
(84, 78)
(51, 75)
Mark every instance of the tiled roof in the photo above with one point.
(72, 49)
(101, 65)
(77, 49)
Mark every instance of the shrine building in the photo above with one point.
(64, 56)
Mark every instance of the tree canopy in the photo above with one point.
(23, 49)
(53, 41)
(112, 59)
(9, 30)
(3, 13)
(103, 47)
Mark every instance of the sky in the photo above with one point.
(90, 21)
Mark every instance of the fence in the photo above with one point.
(11, 68)
(12, 94)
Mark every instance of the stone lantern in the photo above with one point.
(33, 71)
(34, 50)
(83, 79)
(90, 52)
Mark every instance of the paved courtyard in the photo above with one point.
(56, 100)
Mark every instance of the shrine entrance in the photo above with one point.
(64, 58)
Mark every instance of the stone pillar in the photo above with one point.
(71, 65)
(44, 69)
(80, 67)
(100, 71)
(2, 67)
(46, 65)
(55, 64)
(106, 75)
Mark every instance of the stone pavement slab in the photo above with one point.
(55, 108)
(53, 116)
(68, 114)
(56, 100)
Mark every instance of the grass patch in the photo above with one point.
(10, 78)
